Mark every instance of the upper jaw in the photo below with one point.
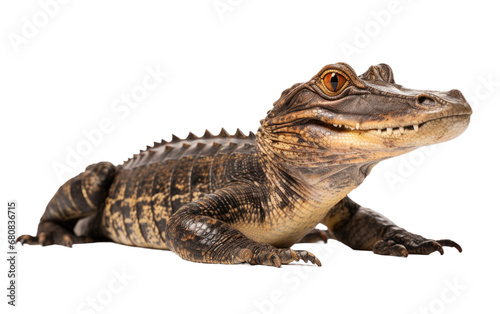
(412, 107)
(346, 122)
(403, 111)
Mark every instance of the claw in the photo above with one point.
(403, 250)
(275, 259)
(450, 243)
(317, 261)
(27, 239)
(294, 256)
(438, 247)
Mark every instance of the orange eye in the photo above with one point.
(334, 82)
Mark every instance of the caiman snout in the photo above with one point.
(451, 100)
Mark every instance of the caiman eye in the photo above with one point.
(334, 82)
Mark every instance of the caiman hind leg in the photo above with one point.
(202, 231)
(78, 198)
(317, 235)
(364, 229)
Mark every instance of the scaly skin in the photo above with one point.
(235, 198)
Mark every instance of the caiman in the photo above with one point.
(248, 198)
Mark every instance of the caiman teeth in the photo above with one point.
(345, 126)
(397, 130)
(389, 130)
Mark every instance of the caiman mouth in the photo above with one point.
(393, 131)
(388, 130)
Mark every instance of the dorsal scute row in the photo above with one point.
(162, 150)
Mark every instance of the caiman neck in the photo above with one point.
(324, 184)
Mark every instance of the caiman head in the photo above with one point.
(339, 118)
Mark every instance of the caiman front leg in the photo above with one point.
(203, 231)
(364, 229)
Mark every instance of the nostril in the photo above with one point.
(425, 101)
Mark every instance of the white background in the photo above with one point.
(225, 70)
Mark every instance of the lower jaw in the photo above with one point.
(431, 132)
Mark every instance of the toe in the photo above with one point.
(275, 260)
(287, 256)
(383, 247)
(244, 255)
(413, 244)
(266, 258)
(427, 248)
(67, 241)
(27, 239)
(42, 239)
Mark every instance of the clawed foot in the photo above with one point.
(53, 234)
(402, 243)
(275, 257)
(45, 239)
